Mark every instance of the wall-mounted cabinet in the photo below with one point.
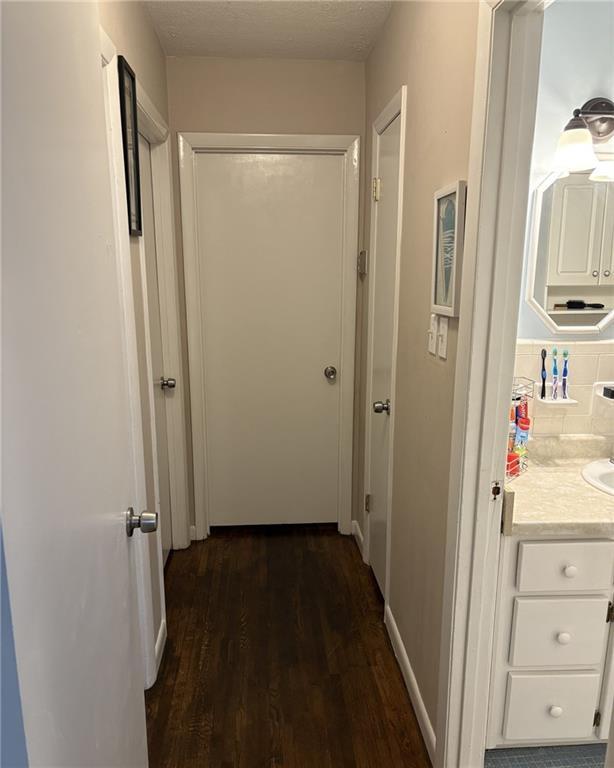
(580, 248)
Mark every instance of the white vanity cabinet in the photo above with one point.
(580, 236)
(553, 668)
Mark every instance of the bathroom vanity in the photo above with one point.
(552, 677)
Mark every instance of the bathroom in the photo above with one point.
(552, 671)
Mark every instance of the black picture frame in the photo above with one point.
(130, 143)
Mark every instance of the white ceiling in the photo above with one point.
(299, 29)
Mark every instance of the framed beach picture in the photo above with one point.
(448, 237)
(130, 141)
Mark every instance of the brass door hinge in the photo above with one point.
(377, 189)
(610, 615)
(368, 502)
(361, 264)
(597, 719)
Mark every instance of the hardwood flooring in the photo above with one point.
(277, 655)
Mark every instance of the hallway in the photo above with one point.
(277, 655)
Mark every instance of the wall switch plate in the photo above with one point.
(442, 338)
(432, 335)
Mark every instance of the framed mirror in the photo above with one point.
(570, 281)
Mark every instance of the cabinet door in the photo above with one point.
(576, 231)
(607, 252)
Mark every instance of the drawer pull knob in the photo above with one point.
(555, 711)
(564, 638)
(570, 571)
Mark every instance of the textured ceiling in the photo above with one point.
(300, 29)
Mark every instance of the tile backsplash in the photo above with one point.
(589, 362)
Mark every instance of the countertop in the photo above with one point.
(553, 498)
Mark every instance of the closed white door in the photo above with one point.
(156, 437)
(270, 251)
(68, 463)
(576, 231)
(382, 340)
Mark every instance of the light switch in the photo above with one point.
(432, 335)
(442, 338)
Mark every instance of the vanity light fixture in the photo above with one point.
(593, 123)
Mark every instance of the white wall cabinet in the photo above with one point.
(553, 664)
(580, 235)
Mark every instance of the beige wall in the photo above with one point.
(260, 96)
(129, 26)
(430, 47)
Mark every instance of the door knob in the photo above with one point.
(606, 273)
(380, 407)
(330, 372)
(146, 521)
(168, 383)
(595, 273)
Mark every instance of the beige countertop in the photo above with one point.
(553, 498)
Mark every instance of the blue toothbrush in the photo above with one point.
(544, 375)
(564, 385)
(555, 375)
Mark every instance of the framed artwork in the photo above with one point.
(448, 241)
(130, 141)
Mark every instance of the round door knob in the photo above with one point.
(555, 711)
(168, 383)
(570, 571)
(563, 638)
(146, 521)
(606, 273)
(330, 372)
(595, 273)
(380, 407)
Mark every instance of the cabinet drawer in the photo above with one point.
(564, 566)
(558, 631)
(541, 707)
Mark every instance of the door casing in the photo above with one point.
(346, 146)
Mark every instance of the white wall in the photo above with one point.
(430, 46)
(577, 64)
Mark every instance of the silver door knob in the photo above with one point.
(168, 383)
(146, 521)
(606, 273)
(380, 407)
(330, 372)
(595, 273)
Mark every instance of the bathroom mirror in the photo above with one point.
(570, 282)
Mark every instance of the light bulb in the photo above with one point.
(575, 151)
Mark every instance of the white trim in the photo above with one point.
(426, 727)
(150, 122)
(507, 67)
(158, 652)
(348, 146)
(358, 537)
(396, 107)
(107, 48)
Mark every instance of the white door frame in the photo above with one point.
(346, 146)
(396, 107)
(504, 107)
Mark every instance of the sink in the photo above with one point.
(600, 474)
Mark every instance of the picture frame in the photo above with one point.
(130, 144)
(448, 245)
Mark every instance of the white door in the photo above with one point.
(272, 249)
(156, 363)
(576, 231)
(68, 468)
(382, 339)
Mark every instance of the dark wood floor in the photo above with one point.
(277, 656)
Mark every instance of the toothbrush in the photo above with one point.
(564, 385)
(555, 375)
(544, 374)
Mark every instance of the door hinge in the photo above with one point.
(610, 617)
(495, 489)
(597, 719)
(361, 264)
(368, 502)
(377, 188)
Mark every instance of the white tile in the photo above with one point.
(544, 425)
(605, 369)
(577, 425)
(527, 366)
(582, 368)
(603, 426)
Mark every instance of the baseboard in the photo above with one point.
(428, 734)
(358, 537)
